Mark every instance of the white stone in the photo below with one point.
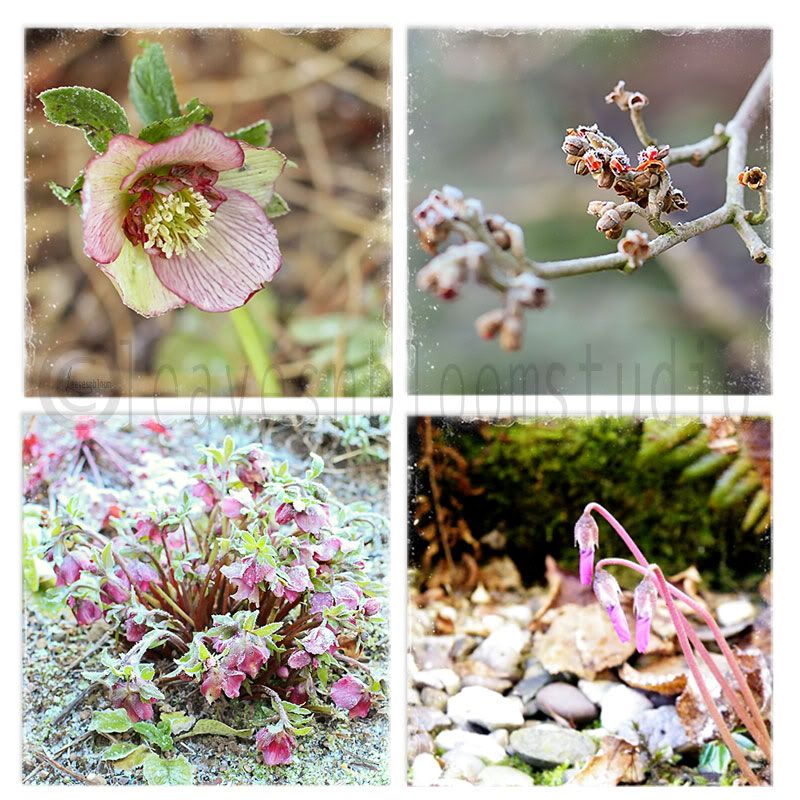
(596, 690)
(480, 597)
(481, 706)
(460, 764)
(735, 612)
(476, 744)
(620, 705)
(425, 770)
(504, 776)
(444, 679)
(502, 649)
(519, 613)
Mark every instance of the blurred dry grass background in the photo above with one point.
(325, 317)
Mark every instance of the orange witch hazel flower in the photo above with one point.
(181, 212)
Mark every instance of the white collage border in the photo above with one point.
(783, 404)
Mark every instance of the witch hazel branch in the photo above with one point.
(470, 245)
(653, 586)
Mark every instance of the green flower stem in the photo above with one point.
(256, 352)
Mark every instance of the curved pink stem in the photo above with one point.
(621, 532)
(730, 742)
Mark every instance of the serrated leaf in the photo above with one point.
(118, 751)
(151, 87)
(213, 727)
(134, 759)
(99, 116)
(111, 721)
(277, 206)
(174, 126)
(155, 734)
(259, 134)
(68, 195)
(167, 771)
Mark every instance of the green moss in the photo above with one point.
(538, 476)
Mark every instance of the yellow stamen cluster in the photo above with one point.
(176, 222)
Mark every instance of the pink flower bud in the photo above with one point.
(644, 607)
(608, 594)
(587, 537)
(372, 606)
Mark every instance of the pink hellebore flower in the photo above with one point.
(86, 611)
(326, 550)
(347, 594)
(256, 471)
(202, 490)
(276, 746)
(644, 607)
(247, 655)
(142, 575)
(310, 520)
(134, 630)
(319, 640)
(299, 659)
(115, 588)
(586, 538)
(321, 600)
(125, 695)
(349, 693)
(608, 593)
(246, 575)
(181, 221)
(147, 529)
(371, 607)
(69, 570)
(231, 507)
(218, 679)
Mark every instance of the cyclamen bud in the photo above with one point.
(608, 593)
(644, 607)
(587, 537)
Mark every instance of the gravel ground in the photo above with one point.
(56, 653)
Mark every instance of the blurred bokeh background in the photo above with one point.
(325, 317)
(487, 113)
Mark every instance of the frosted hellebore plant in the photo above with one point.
(651, 588)
(180, 213)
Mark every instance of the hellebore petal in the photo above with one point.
(326, 550)
(319, 640)
(284, 513)
(239, 255)
(299, 659)
(231, 507)
(69, 570)
(276, 746)
(86, 611)
(349, 693)
(104, 204)
(587, 537)
(197, 145)
(257, 175)
(348, 594)
(137, 283)
(645, 597)
(312, 519)
(371, 607)
(205, 493)
(126, 695)
(298, 579)
(321, 600)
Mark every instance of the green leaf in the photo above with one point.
(133, 759)
(259, 134)
(111, 721)
(69, 196)
(174, 126)
(118, 751)
(167, 771)
(155, 734)
(179, 722)
(213, 727)
(317, 465)
(277, 206)
(714, 757)
(151, 87)
(743, 741)
(99, 116)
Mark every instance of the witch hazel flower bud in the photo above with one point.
(753, 178)
(488, 325)
(636, 246)
(587, 537)
(276, 746)
(645, 597)
(608, 594)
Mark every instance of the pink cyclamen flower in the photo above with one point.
(276, 746)
(644, 607)
(182, 221)
(608, 593)
(587, 537)
(349, 693)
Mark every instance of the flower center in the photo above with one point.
(176, 223)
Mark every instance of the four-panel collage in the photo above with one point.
(357, 584)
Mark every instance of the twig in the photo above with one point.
(42, 756)
(71, 706)
(90, 652)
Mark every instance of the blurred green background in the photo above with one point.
(487, 113)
